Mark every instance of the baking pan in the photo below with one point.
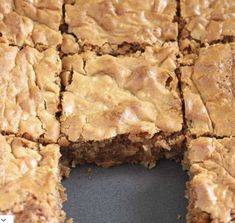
(127, 194)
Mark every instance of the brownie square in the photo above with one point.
(209, 93)
(30, 182)
(211, 189)
(206, 22)
(107, 26)
(35, 23)
(117, 108)
(29, 91)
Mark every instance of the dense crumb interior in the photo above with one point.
(123, 149)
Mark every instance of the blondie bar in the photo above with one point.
(35, 23)
(211, 189)
(121, 26)
(209, 93)
(124, 108)
(206, 22)
(30, 181)
(29, 91)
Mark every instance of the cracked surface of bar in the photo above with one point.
(35, 23)
(116, 22)
(206, 22)
(209, 89)
(109, 96)
(30, 181)
(29, 91)
(120, 99)
(211, 186)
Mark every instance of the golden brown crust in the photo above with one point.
(34, 23)
(206, 22)
(30, 87)
(108, 96)
(209, 93)
(30, 181)
(212, 183)
(116, 22)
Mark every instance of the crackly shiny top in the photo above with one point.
(31, 22)
(213, 177)
(29, 180)
(209, 91)
(29, 92)
(97, 22)
(106, 95)
(209, 20)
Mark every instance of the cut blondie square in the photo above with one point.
(211, 189)
(34, 23)
(209, 91)
(110, 26)
(206, 22)
(121, 109)
(29, 91)
(30, 188)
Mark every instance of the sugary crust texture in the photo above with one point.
(29, 181)
(35, 23)
(209, 91)
(115, 22)
(29, 92)
(212, 180)
(106, 96)
(206, 22)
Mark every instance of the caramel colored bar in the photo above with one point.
(35, 23)
(30, 182)
(29, 92)
(136, 97)
(211, 186)
(206, 22)
(208, 89)
(108, 24)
